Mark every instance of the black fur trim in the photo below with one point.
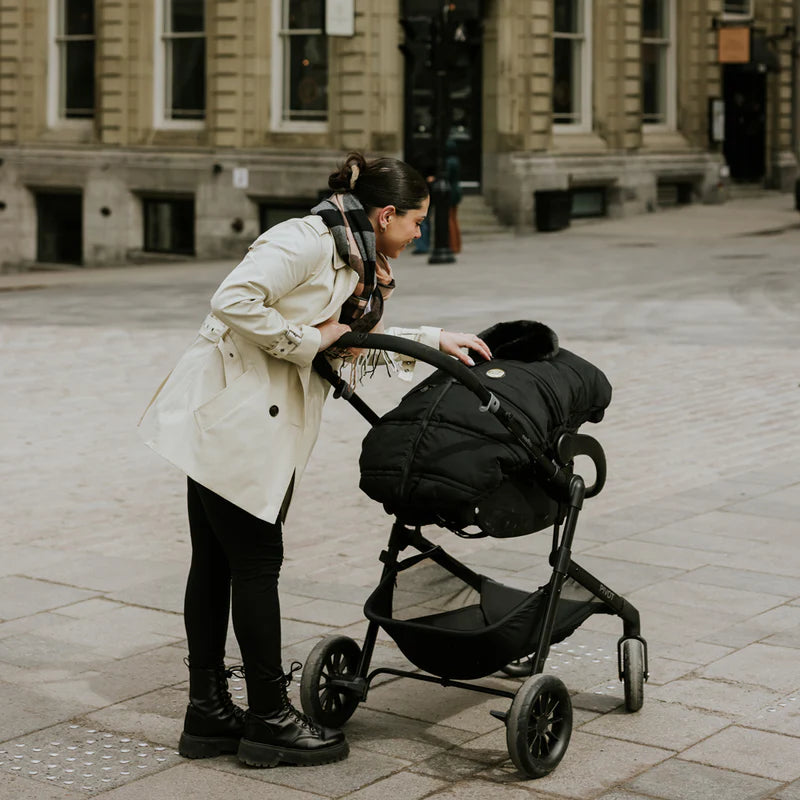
(520, 340)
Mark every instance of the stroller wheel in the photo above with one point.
(539, 725)
(333, 657)
(518, 668)
(633, 673)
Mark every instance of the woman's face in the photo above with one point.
(394, 231)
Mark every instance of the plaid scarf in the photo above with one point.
(355, 242)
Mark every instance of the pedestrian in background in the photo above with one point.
(422, 245)
(452, 167)
(239, 415)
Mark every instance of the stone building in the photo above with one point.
(137, 127)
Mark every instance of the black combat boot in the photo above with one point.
(276, 732)
(213, 723)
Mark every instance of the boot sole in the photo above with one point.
(255, 754)
(206, 746)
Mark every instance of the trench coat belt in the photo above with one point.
(215, 331)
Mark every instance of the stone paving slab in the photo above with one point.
(361, 768)
(84, 758)
(664, 725)
(202, 783)
(681, 780)
(23, 596)
(759, 664)
(402, 784)
(590, 764)
(769, 755)
(791, 792)
(737, 699)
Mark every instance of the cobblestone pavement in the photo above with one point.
(693, 315)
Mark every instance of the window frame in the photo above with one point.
(738, 15)
(584, 39)
(161, 76)
(171, 199)
(669, 123)
(280, 78)
(56, 74)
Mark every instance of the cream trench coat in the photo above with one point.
(241, 411)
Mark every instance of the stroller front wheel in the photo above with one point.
(332, 658)
(633, 673)
(539, 725)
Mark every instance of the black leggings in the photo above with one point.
(236, 560)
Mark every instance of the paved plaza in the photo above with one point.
(693, 314)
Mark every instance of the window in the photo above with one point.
(572, 63)
(658, 63)
(589, 201)
(59, 227)
(74, 54)
(181, 65)
(737, 8)
(272, 212)
(169, 224)
(303, 67)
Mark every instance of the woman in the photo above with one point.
(240, 414)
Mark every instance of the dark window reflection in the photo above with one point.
(188, 78)
(308, 77)
(169, 225)
(187, 16)
(78, 17)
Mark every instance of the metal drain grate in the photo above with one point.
(84, 758)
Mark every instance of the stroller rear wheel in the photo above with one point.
(539, 725)
(333, 657)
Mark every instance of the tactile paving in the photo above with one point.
(84, 758)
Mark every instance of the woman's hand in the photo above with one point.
(451, 343)
(331, 330)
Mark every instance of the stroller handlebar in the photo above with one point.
(462, 373)
(422, 352)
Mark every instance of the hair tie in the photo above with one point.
(354, 172)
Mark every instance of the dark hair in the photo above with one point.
(382, 182)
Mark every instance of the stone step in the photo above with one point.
(477, 219)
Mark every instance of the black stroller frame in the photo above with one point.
(337, 674)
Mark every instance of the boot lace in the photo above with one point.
(302, 719)
(223, 676)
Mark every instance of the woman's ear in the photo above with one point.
(385, 216)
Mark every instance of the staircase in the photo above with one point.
(746, 191)
(477, 220)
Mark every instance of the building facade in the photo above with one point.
(136, 129)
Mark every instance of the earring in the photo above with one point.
(383, 228)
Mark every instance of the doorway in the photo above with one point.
(59, 227)
(745, 96)
(464, 89)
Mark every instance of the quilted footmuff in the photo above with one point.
(436, 458)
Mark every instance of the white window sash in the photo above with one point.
(669, 122)
(162, 71)
(57, 73)
(281, 75)
(583, 37)
(747, 13)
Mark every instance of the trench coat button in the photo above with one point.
(273, 411)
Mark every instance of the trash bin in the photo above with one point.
(552, 209)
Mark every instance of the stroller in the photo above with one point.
(481, 451)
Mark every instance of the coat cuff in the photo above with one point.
(430, 336)
(299, 344)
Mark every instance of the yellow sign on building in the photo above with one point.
(734, 45)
